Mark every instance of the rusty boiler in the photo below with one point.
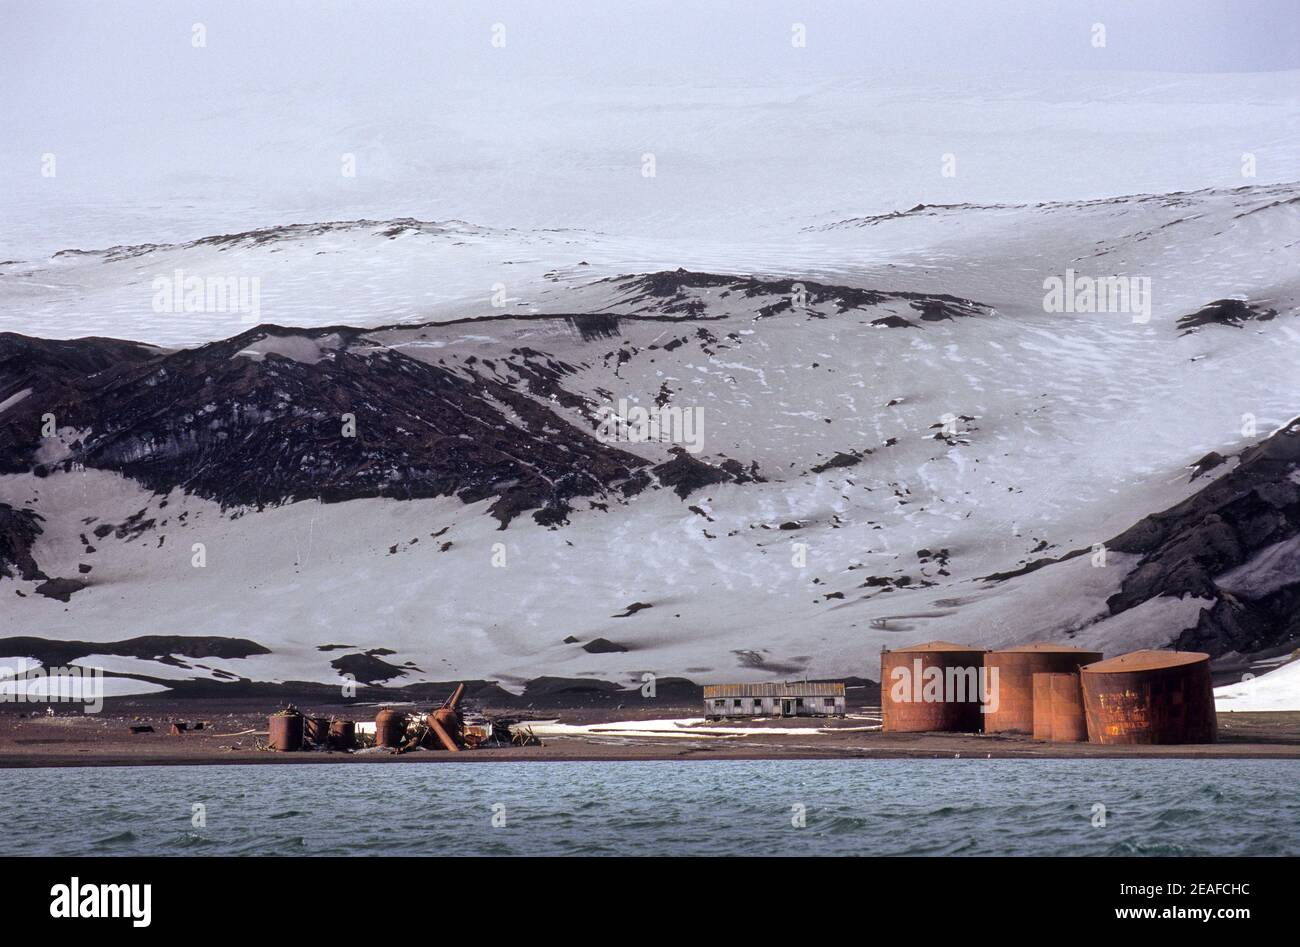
(342, 735)
(316, 730)
(1058, 708)
(390, 728)
(931, 687)
(285, 731)
(446, 723)
(1150, 697)
(1012, 710)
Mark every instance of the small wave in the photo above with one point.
(111, 841)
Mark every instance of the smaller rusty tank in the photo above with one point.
(1058, 708)
(1011, 688)
(316, 730)
(342, 735)
(1150, 697)
(390, 728)
(285, 730)
(931, 687)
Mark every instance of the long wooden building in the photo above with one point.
(797, 699)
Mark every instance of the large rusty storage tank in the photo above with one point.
(285, 730)
(390, 727)
(1058, 708)
(1013, 685)
(1150, 697)
(910, 701)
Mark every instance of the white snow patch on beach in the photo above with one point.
(1278, 690)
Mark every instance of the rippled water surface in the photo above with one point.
(876, 807)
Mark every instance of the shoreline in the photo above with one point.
(865, 755)
(79, 741)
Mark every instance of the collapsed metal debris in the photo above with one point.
(446, 728)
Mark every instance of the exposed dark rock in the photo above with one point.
(594, 325)
(1225, 312)
(1225, 525)
(366, 668)
(18, 531)
(245, 431)
(672, 284)
(604, 646)
(60, 589)
(51, 653)
(566, 687)
(684, 474)
(1208, 462)
(758, 660)
(937, 309)
(740, 473)
(841, 459)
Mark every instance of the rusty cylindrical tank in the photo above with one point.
(390, 727)
(446, 722)
(316, 730)
(285, 731)
(931, 687)
(1011, 705)
(1058, 708)
(1150, 697)
(342, 735)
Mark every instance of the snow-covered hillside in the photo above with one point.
(882, 460)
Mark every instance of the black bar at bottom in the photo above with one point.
(941, 895)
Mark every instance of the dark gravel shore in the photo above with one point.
(233, 728)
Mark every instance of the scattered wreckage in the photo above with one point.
(448, 728)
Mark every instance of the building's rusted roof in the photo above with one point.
(789, 689)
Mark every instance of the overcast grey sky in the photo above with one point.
(113, 47)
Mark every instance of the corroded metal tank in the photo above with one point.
(285, 731)
(931, 687)
(316, 730)
(1013, 685)
(1058, 708)
(1149, 697)
(390, 727)
(446, 723)
(342, 735)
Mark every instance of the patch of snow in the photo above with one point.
(1273, 568)
(1278, 690)
(14, 399)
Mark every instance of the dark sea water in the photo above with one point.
(850, 807)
